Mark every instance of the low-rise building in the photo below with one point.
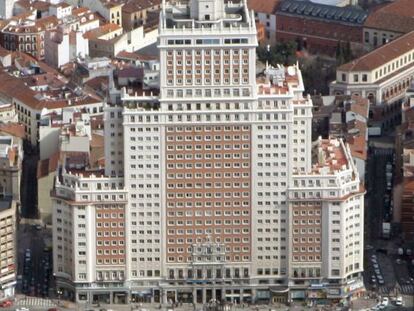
(109, 40)
(27, 35)
(31, 104)
(11, 157)
(110, 10)
(70, 133)
(62, 46)
(265, 14)
(24, 6)
(140, 13)
(388, 22)
(320, 28)
(8, 113)
(382, 76)
(344, 117)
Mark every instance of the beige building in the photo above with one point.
(382, 76)
(8, 260)
(11, 156)
(111, 10)
(140, 13)
(388, 23)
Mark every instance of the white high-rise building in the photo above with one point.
(6, 8)
(208, 167)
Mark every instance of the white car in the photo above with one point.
(399, 301)
(385, 301)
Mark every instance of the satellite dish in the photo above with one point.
(44, 112)
(291, 71)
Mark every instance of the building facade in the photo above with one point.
(388, 23)
(205, 168)
(320, 28)
(27, 35)
(8, 259)
(382, 76)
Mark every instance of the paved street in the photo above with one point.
(396, 275)
(35, 269)
(28, 186)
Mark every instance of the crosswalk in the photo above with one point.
(35, 302)
(383, 151)
(406, 289)
(385, 290)
(401, 289)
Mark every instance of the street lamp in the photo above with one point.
(59, 292)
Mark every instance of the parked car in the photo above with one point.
(6, 304)
(399, 301)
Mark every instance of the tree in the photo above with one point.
(281, 53)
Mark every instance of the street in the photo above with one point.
(381, 256)
(34, 261)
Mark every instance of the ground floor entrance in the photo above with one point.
(203, 295)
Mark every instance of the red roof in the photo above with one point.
(263, 6)
(381, 55)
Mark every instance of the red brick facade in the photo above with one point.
(317, 36)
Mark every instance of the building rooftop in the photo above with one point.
(101, 31)
(138, 5)
(268, 6)
(397, 16)
(193, 15)
(348, 15)
(330, 156)
(381, 55)
(30, 5)
(277, 81)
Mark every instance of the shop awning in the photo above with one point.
(279, 290)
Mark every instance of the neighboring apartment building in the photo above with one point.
(8, 250)
(11, 157)
(344, 117)
(382, 76)
(140, 13)
(320, 28)
(109, 40)
(63, 46)
(27, 35)
(326, 217)
(265, 13)
(30, 104)
(8, 113)
(111, 10)
(388, 22)
(199, 180)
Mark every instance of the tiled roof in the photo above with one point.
(47, 166)
(100, 31)
(8, 86)
(135, 56)
(263, 6)
(15, 129)
(397, 16)
(348, 15)
(38, 5)
(381, 55)
(138, 5)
